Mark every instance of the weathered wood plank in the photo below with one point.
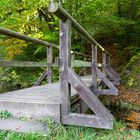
(85, 70)
(105, 91)
(49, 61)
(65, 46)
(41, 78)
(28, 126)
(85, 93)
(25, 37)
(107, 82)
(94, 65)
(113, 78)
(87, 120)
(15, 63)
(104, 62)
(114, 72)
(80, 63)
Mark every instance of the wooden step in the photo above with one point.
(36, 102)
(24, 126)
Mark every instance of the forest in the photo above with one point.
(114, 24)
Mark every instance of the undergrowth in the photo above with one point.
(5, 115)
(59, 132)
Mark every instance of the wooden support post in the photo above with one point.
(109, 61)
(49, 61)
(85, 71)
(65, 63)
(104, 62)
(73, 56)
(94, 66)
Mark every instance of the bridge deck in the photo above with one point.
(40, 101)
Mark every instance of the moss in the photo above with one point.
(132, 72)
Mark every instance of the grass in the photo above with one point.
(59, 132)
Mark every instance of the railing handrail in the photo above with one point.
(14, 34)
(56, 9)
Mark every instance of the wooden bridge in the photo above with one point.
(68, 100)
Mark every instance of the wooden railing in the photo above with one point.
(49, 64)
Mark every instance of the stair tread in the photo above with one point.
(23, 126)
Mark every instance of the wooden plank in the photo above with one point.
(41, 78)
(28, 126)
(15, 63)
(113, 78)
(87, 120)
(14, 34)
(104, 62)
(94, 65)
(49, 61)
(109, 61)
(80, 63)
(65, 46)
(105, 92)
(114, 72)
(85, 70)
(85, 93)
(107, 82)
(33, 109)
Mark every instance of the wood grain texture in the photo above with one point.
(87, 120)
(16, 63)
(65, 62)
(94, 66)
(41, 78)
(49, 61)
(85, 93)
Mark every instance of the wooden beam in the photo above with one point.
(114, 72)
(104, 62)
(88, 96)
(87, 120)
(110, 85)
(14, 34)
(41, 78)
(94, 66)
(49, 61)
(56, 9)
(17, 63)
(14, 63)
(112, 77)
(65, 62)
(85, 70)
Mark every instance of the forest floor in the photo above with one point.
(125, 106)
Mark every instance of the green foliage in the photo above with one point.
(132, 72)
(5, 114)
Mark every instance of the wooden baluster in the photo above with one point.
(94, 65)
(65, 63)
(109, 61)
(49, 61)
(104, 62)
(85, 70)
